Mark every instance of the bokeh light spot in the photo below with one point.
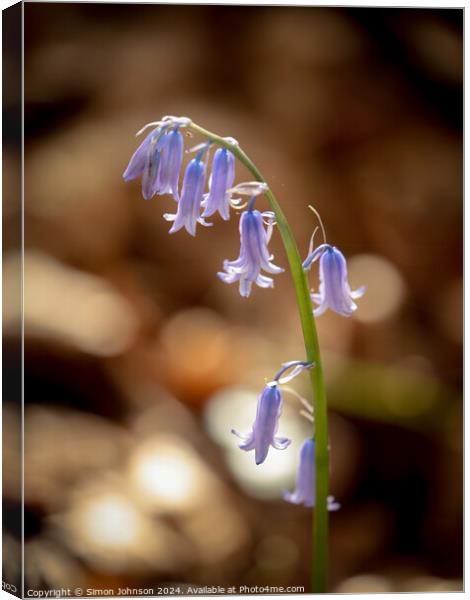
(385, 287)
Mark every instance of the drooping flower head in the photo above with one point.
(254, 255)
(263, 433)
(158, 158)
(268, 411)
(137, 162)
(335, 292)
(188, 213)
(146, 161)
(305, 486)
(171, 161)
(221, 180)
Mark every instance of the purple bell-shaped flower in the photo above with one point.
(335, 292)
(263, 433)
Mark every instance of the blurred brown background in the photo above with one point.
(138, 360)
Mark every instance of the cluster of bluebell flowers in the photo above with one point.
(158, 162)
(158, 159)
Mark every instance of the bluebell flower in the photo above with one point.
(189, 206)
(146, 161)
(254, 254)
(136, 164)
(150, 174)
(170, 166)
(221, 180)
(263, 433)
(158, 158)
(334, 292)
(305, 486)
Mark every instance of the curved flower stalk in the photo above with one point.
(254, 255)
(335, 292)
(305, 487)
(158, 160)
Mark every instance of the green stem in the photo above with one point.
(320, 529)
